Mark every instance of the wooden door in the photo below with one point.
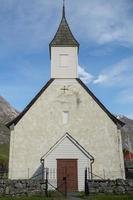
(67, 168)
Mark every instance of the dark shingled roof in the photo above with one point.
(18, 118)
(111, 116)
(64, 36)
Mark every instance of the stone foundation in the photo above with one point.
(21, 187)
(37, 187)
(110, 186)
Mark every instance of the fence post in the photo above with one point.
(28, 173)
(86, 183)
(104, 174)
(65, 180)
(43, 170)
(46, 182)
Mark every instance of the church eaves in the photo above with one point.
(74, 141)
(18, 118)
(64, 36)
(118, 122)
(111, 116)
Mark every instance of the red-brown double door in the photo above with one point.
(67, 168)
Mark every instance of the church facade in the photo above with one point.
(65, 127)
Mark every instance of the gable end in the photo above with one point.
(17, 119)
(68, 136)
(111, 116)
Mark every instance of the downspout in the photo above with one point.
(92, 161)
(11, 151)
(42, 162)
(120, 151)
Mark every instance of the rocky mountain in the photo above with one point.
(127, 133)
(127, 142)
(7, 113)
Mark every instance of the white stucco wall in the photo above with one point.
(42, 126)
(69, 71)
(67, 150)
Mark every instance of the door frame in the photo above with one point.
(69, 159)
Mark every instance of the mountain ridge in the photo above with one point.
(127, 134)
(7, 113)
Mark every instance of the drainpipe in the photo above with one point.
(92, 161)
(42, 162)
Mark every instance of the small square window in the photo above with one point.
(64, 60)
(65, 117)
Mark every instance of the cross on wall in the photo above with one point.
(64, 89)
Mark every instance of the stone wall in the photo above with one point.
(37, 187)
(21, 187)
(110, 186)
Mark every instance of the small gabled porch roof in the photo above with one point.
(68, 136)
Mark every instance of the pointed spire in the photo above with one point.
(64, 36)
(63, 13)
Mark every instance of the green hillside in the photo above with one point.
(4, 154)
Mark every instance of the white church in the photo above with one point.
(65, 126)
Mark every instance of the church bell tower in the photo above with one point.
(64, 52)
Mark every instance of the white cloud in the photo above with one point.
(25, 24)
(130, 115)
(84, 75)
(105, 21)
(101, 78)
(30, 25)
(120, 74)
(125, 96)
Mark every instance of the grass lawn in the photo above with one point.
(109, 197)
(95, 197)
(25, 198)
(4, 153)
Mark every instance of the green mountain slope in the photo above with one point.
(7, 113)
(4, 154)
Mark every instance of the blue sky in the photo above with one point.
(104, 30)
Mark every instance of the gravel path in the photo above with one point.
(70, 196)
(73, 196)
